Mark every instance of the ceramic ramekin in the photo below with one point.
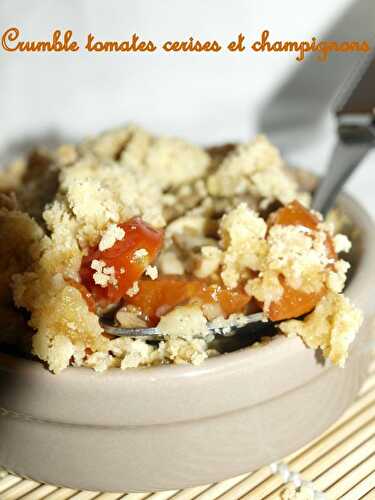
(179, 426)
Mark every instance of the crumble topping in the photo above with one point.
(341, 243)
(133, 290)
(104, 275)
(243, 238)
(169, 263)
(112, 234)
(97, 195)
(200, 247)
(152, 272)
(255, 168)
(208, 262)
(140, 253)
(184, 321)
(331, 326)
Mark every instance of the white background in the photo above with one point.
(208, 98)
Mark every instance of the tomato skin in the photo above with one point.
(294, 214)
(127, 268)
(230, 301)
(84, 292)
(294, 303)
(157, 297)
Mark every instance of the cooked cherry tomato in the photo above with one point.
(230, 301)
(295, 303)
(128, 267)
(157, 297)
(294, 214)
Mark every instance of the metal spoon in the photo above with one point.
(356, 136)
(154, 333)
(355, 116)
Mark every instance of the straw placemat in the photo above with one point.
(340, 464)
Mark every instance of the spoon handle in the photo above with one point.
(344, 160)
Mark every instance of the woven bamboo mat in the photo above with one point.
(340, 464)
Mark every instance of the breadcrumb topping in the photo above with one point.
(112, 234)
(133, 290)
(104, 275)
(243, 238)
(255, 168)
(331, 326)
(152, 272)
(141, 253)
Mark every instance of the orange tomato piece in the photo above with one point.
(157, 297)
(294, 303)
(127, 267)
(230, 301)
(84, 292)
(331, 252)
(294, 214)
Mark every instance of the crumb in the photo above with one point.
(152, 272)
(255, 168)
(208, 261)
(243, 238)
(133, 290)
(184, 321)
(169, 263)
(331, 326)
(341, 243)
(104, 275)
(139, 254)
(112, 234)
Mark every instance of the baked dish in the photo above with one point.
(162, 232)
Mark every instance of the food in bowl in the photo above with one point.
(165, 233)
